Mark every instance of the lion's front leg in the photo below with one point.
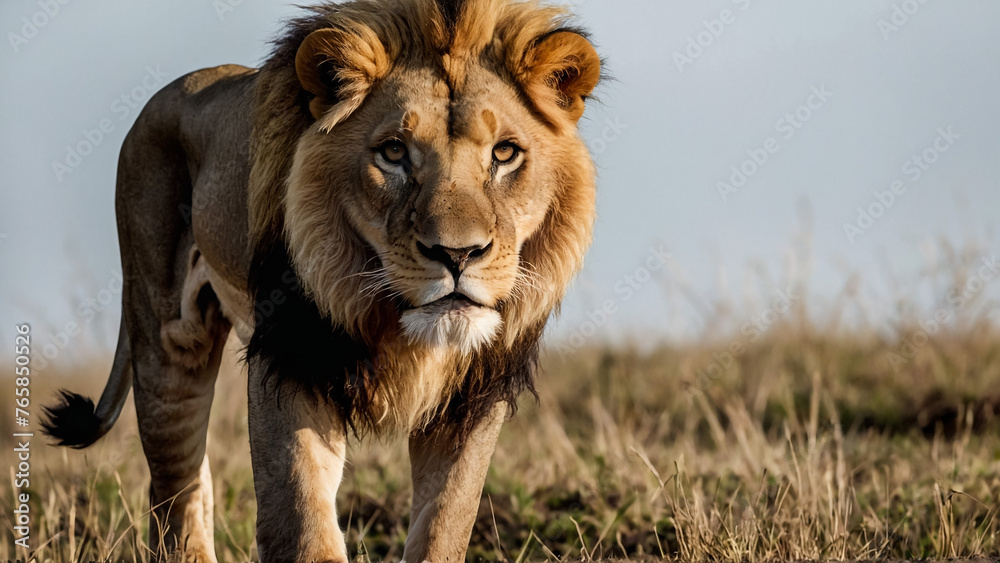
(297, 450)
(448, 477)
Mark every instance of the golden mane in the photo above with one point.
(448, 36)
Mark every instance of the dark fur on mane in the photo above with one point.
(450, 10)
(497, 375)
(293, 343)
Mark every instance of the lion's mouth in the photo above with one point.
(454, 320)
(453, 302)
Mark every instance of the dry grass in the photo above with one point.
(810, 447)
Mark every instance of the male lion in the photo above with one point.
(386, 213)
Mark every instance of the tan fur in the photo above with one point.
(447, 485)
(297, 480)
(188, 340)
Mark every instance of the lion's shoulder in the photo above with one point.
(195, 82)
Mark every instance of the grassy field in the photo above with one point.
(808, 446)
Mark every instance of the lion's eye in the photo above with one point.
(505, 152)
(393, 151)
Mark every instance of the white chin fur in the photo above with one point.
(466, 330)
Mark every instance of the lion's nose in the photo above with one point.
(455, 259)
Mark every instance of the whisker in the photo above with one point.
(367, 273)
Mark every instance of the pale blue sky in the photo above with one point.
(666, 132)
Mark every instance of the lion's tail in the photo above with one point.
(75, 422)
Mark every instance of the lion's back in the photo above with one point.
(187, 160)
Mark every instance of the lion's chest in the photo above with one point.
(415, 385)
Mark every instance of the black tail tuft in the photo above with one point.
(73, 422)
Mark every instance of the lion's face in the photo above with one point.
(444, 186)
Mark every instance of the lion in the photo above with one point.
(386, 214)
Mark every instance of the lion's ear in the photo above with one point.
(560, 71)
(339, 67)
